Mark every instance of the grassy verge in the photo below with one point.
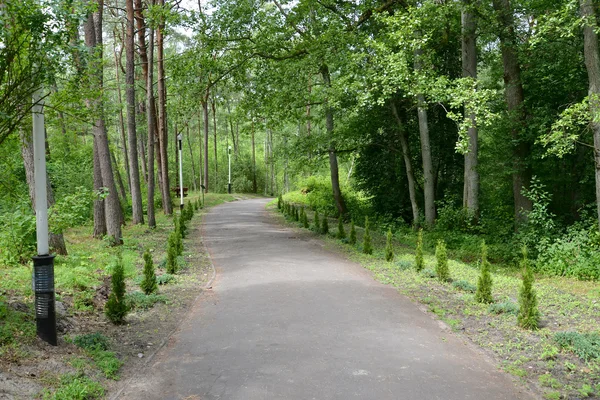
(558, 365)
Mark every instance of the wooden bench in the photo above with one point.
(176, 190)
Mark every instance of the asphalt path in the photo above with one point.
(287, 319)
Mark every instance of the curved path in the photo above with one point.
(288, 320)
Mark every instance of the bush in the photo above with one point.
(17, 236)
(419, 262)
(305, 223)
(317, 225)
(352, 239)
(116, 307)
(143, 301)
(529, 315)
(341, 233)
(585, 345)
(441, 269)
(76, 387)
(506, 307)
(149, 285)
(325, 225)
(428, 272)
(172, 252)
(389, 247)
(465, 286)
(91, 341)
(367, 246)
(165, 279)
(484, 284)
(279, 201)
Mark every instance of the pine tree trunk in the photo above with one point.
(162, 120)
(55, 240)
(254, 183)
(333, 162)
(151, 122)
(200, 161)
(99, 215)
(121, 118)
(410, 176)
(592, 64)
(191, 157)
(112, 207)
(121, 186)
(214, 115)
(513, 91)
(205, 115)
(469, 67)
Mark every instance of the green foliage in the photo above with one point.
(367, 246)
(107, 362)
(76, 387)
(506, 307)
(429, 273)
(296, 214)
(180, 225)
(585, 345)
(17, 236)
(149, 284)
(465, 286)
(484, 283)
(317, 224)
(352, 239)
(165, 279)
(404, 265)
(139, 300)
(92, 341)
(341, 233)
(72, 210)
(173, 252)
(325, 225)
(419, 262)
(441, 268)
(529, 315)
(389, 247)
(15, 326)
(116, 308)
(304, 217)
(279, 201)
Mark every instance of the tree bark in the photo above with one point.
(112, 207)
(151, 122)
(134, 168)
(121, 186)
(205, 115)
(592, 65)
(55, 240)
(200, 163)
(513, 91)
(333, 163)
(191, 157)
(469, 68)
(162, 118)
(214, 115)
(254, 183)
(121, 118)
(410, 176)
(99, 214)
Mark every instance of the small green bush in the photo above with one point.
(317, 225)
(506, 307)
(465, 286)
(529, 316)
(404, 265)
(92, 341)
(367, 246)
(149, 285)
(305, 223)
(429, 273)
(165, 279)
(419, 263)
(484, 283)
(279, 201)
(172, 252)
(352, 239)
(441, 268)
(389, 247)
(139, 300)
(116, 307)
(76, 387)
(341, 233)
(325, 225)
(585, 345)
(107, 362)
(296, 214)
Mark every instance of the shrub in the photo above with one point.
(149, 285)
(341, 233)
(585, 345)
(484, 284)
(296, 214)
(428, 272)
(279, 201)
(91, 341)
(352, 239)
(419, 264)
(304, 218)
(165, 279)
(317, 225)
(367, 246)
(325, 225)
(143, 301)
(389, 247)
(529, 315)
(116, 308)
(506, 307)
(76, 387)
(465, 286)
(403, 265)
(441, 268)
(172, 253)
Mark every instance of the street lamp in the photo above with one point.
(179, 140)
(229, 160)
(43, 263)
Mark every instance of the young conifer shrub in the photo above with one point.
(149, 284)
(172, 248)
(317, 222)
(325, 225)
(116, 307)
(296, 214)
(484, 284)
(352, 239)
(529, 315)
(441, 269)
(367, 246)
(279, 201)
(419, 262)
(341, 233)
(304, 218)
(389, 247)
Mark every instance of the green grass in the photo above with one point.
(75, 387)
(140, 300)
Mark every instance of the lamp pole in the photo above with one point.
(229, 159)
(43, 263)
(179, 140)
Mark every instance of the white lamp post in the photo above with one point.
(43, 263)
(229, 160)
(179, 140)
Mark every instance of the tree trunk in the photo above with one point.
(592, 64)
(428, 175)
(55, 240)
(151, 122)
(134, 169)
(333, 163)
(99, 215)
(272, 159)
(112, 207)
(205, 115)
(469, 67)
(121, 187)
(121, 118)
(200, 163)
(254, 183)
(214, 115)
(410, 176)
(513, 91)
(162, 119)
(191, 158)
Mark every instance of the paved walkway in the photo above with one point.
(289, 320)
